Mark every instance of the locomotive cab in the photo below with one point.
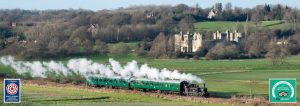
(188, 89)
(193, 90)
(184, 87)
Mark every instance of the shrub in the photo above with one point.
(100, 47)
(223, 51)
(119, 49)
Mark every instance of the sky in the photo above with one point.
(114, 4)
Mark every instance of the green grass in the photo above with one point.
(235, 77)
(6, 72)
(224, 78)
(224, 25)
(47, 95)
(131, 45)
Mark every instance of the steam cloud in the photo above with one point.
(87, 67)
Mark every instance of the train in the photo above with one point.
(169, 86)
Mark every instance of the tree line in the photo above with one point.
(48, 33)
(275, 44)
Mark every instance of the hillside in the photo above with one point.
(224, 25)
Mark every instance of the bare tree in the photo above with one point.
(277, 53)
(273, 53)
(159, 47)
(284, 52)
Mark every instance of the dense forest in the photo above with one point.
(50, 33)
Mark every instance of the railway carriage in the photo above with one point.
(180, 87)
(114, 82)
(151, 85)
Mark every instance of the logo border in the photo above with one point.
(283, 79)
(5, 88)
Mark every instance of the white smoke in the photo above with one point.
(87, 67)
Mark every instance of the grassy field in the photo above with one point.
(224, 25)
(244, 73)
(33, 95)
(224, 79)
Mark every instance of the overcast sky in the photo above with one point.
(114, 4)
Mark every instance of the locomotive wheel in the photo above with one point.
(206, 95)
(144, 90)
(98, 86)
(200, 94)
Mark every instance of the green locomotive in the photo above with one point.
(174, 86)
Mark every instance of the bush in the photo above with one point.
(223, 51)
(143, 48)
(71, 77)
(100, 47)
(7, 72)
(119, 49)
(201, 52)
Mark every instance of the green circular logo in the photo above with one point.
(283, 89)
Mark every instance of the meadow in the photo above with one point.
(34, 95)
(224, 79)
(229, 25)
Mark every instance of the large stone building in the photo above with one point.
(227, 36)
(191, 42)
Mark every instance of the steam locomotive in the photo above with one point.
(171, 86)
